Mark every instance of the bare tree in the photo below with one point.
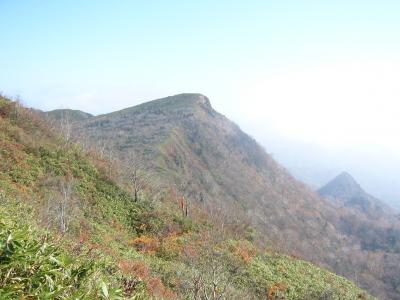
(181, 200)
(213, 280)
(100, 146)
(110, 158)
(214, 270)
(61, 204)
(138, 177)
(66, 127)
(64, 205)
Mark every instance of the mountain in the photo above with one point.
(344, 187)
(71, 114)
(70, 228)
(186, 143)
(183, 142)
(315, 165)
(377, 226)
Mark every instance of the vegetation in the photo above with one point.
(35, 267)
(68, 230)
(208, 160)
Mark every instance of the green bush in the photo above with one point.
(33, 267)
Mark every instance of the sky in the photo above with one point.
(320, 77)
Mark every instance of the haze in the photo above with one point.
(316, 83)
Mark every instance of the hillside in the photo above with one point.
(68, 230)
(185, 143)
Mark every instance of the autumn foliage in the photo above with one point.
(140, 271)
(145, 244)
(137, 269)
(276, 291)
(244, 250)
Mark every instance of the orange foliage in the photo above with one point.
(276, 291)
(145, 244)
(139, 270)
(245, 251)
(172, 244)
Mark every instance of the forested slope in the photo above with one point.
(68, 230)
(185, 143)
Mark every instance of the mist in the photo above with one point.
(321, 120)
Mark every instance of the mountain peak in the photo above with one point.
(343, 186)
(179, 102)
(347, 189)
(347, 179)
(192, 98)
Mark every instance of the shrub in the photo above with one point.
(137, 269)
(145, 244)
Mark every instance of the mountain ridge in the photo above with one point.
(68, 230)
(187, 144)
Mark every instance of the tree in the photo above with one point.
(66, 127)
(64, 205)
(214, 271)
(110, 158)
(137, 176)
(61, 204)
(182, 202)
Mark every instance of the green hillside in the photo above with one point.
(69, 231)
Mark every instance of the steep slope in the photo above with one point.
(186, 143)
(190, 145)
(68, 231)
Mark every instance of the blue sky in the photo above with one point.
(88, 51)
(319, 73)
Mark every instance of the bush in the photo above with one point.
(145, 244)
(34, 268)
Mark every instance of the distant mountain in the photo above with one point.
(71, 114)
(376, 169)
(185, 143)
(344, 188)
